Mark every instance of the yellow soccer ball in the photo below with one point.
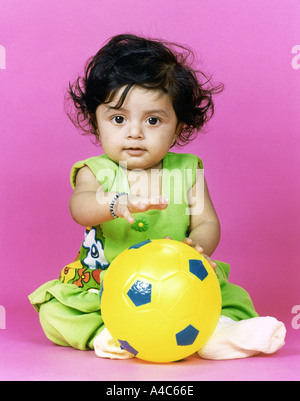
(161, 300)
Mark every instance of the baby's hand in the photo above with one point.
(198, 248)
(128, 204)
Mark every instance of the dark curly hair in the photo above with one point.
(128, 60)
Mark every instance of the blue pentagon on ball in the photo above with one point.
(140, 244)
(187, 336)
(197, 268)
(140, 293)
(125, 345)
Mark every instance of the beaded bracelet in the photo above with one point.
(111, 208)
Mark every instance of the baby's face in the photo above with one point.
(140, 133)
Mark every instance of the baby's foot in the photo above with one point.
(232, 340)
(106, 347)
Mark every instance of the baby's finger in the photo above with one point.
(137, 207)
(190, 242)
(156, 203)
(157, 200)
(157, 207)
(187, 241)
(128, 216)
(211, 262)
(198, 248)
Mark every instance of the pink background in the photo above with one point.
(250, 150)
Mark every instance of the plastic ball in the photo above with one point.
(161, 300)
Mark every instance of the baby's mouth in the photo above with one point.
(133, 151)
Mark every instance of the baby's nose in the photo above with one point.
(135, 131)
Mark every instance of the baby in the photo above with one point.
(139, 98)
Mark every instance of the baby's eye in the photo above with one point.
(118, 119)
(153, 121)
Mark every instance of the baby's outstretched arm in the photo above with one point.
(90, 205)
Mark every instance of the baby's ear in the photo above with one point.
(97, 137)
(93, 122)
(179, 128)
(97, 132)
(178, 131)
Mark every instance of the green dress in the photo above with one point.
(69, 307)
